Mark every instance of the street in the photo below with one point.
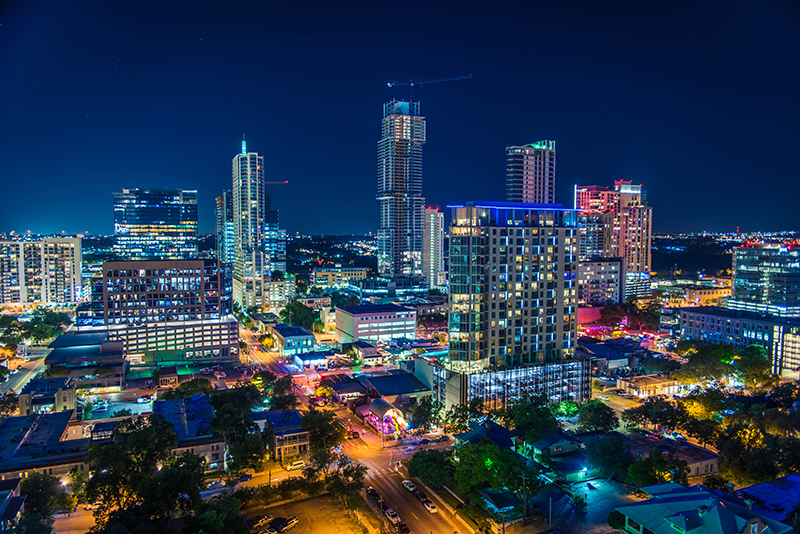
(27, 371)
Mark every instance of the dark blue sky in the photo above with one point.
(696, 100)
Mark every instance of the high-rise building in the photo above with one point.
(165, 311)
(225, 232)
(46, 271)
(627, 228)
(513, 306)
(400, 190)
(154, 224)
(259, 245)
(766, 279)
(433, 249)
(531, 173)
(601, 281)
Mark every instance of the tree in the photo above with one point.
(57, 371)
(705, 404)
(609, 455)
(122, 413)
(45, 495)
(659, 365)
(276, 275)
(754, 368)
(657, 468)
(705, 431)
(218, 515)
(77, 483)
(431, 467)
(457, 418)
(596, 415)
(323, 435)
(347, 480)
(301, 287)
(616, 520)
(567, 408)
(249, 452)
(42, 332)
(424, 415)
(195, 386)
(9, 403)
(298, 314)
(715, 482)
(318, 326)
(531, 415)
(611, 315)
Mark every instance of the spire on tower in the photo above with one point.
(244, 145)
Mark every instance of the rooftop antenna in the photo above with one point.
(244, 146)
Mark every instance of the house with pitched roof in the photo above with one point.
(676, 509)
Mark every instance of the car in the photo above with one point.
(373, 494)
(298, 464)
(352, 434)
(215, 484)
(219, 374)
(217, 368)
(14, 371)
(410, 486)
(402, 528)
(290, 523)
(206, 371)
(429, 506)
(420, 495)
(245, 478)
(392, 516)
(142, 400)
(425, 441)
(443, 439)
(602, 397)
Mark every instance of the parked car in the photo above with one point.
(420, 495)
(443, 439)
(215, 484)
(424, 441)
(245, 478)
(142, 400)
(402, 528)
(373, 494)
(392, 516)
(291, 522)
(298, 464)
(410, 486)
(429, 506)
(220, 374)
(602, 397)
(217, 368)
(206, 371)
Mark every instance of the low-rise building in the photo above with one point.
(604, 358)
(38, 444)
(292, 340)
(278, 293)
(673, 508)
(381, 322)
(345, 391)
(552, 444)
(700, 461)
(398, 387)
(289, 439)
(315, 303)
(485, 428)
(648, 385)
(780, 336)
(191, 418)
(367, 353)
(337, 277)
(93, 360)
(12, 504)
(47, 395)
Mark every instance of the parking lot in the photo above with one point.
(317, 514)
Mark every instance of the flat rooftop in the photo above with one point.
(31, 441)
(191, 417)
(396, 384)
(44, 385)
(648, 380)
(716, 311)
(80, 338)
(284, 330)
(373, 308)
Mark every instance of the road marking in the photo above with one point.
(415, 516)
(29, 374)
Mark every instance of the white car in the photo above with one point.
(429, 506)
(392, 515)
(410, 486)
(220, 374)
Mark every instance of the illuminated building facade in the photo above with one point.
(513, 285)
(259, 245)
(337, 276)
(627, 222)
(225, 232)
(152, 224)
(400, 191)
(531, 173)
(165, 311)
(601, 281)
(46, 271)
(433, 249)
(766, 279)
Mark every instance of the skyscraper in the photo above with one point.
(400, 190)
(531, 173)
(433, 248)
(259, 245)
(627, 222)
(225, 232)
(155, 224)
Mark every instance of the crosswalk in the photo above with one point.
(380, 472)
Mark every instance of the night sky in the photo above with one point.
(696, 100)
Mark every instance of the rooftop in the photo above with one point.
(191, 417)
(373, 308)
(79, 339)
(649, 380)
(44, 385)
(283, 419)
(675, 507)
(479, 430)
(284, 330)
(396, 384)
(738, 314)
(776, 498)
(29, 441)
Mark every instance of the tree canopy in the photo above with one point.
(596, 415)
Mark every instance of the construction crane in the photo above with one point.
(412, 83)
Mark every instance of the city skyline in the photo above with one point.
(648, 95)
